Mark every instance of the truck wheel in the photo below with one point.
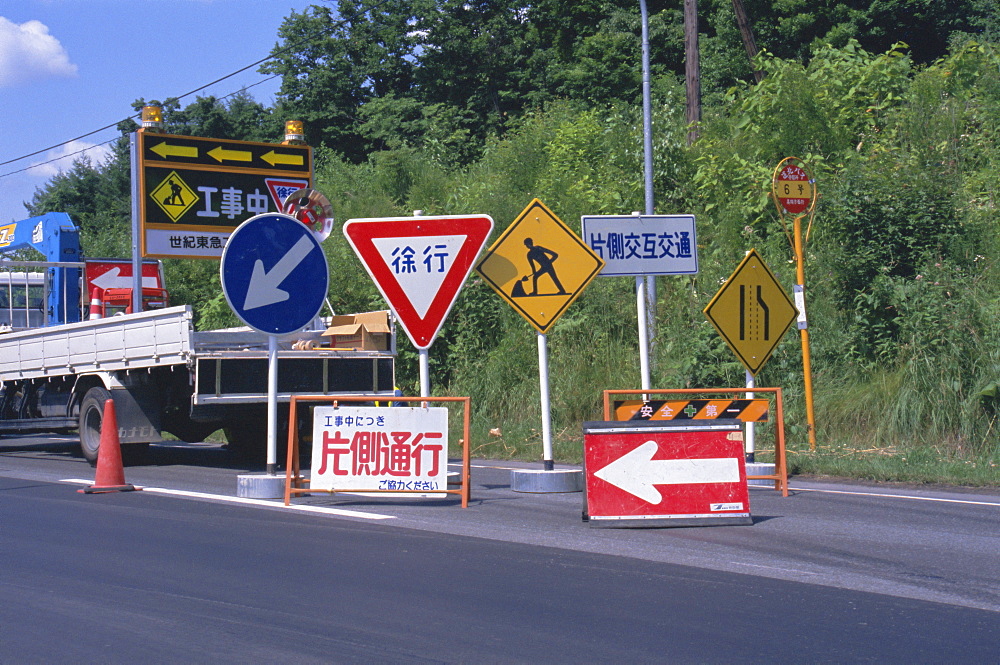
(91, 417)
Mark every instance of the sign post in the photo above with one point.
(275, 278)
(794, 192)
(539, 267)
(751, 312)
(643, 246)
(191, 192)
(419, 265)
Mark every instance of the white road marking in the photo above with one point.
(802, 489)
(898, 496)
(325, 510)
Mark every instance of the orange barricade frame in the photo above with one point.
(295, 483)
(780, 475)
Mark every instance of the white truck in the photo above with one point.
(165, 376)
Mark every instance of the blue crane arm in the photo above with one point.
(58, 239)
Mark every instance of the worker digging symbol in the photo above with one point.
(175, 198)
(541, 262)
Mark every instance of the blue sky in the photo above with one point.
(68, 67)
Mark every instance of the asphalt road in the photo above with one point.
(183, 571)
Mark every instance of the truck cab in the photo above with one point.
(116, 302)
(22, 300)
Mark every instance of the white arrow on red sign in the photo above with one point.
(419, 264)
(113, 279)
(637, 473)
(117, 274)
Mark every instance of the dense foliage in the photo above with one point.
(452, 106)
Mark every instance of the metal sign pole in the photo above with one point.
(136, 226)
(640, 303)
(423, 357)
(425, 373)
(794, 191)
(272, 403)
(800, 287)
(750, 443)
(647, 295)
(543, 383)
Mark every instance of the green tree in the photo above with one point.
(332, 64)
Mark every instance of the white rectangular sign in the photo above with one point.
(380, 448)
(637, 245)
(185, 243)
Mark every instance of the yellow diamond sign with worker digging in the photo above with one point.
(174, 196)
(539, 266)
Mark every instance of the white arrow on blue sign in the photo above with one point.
(637, 245)
(274, 274)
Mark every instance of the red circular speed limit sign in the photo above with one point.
(792, 187)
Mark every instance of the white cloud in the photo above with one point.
(28, 52)
(62, 158)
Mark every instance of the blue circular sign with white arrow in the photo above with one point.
(274, 274)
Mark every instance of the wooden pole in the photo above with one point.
(692, 69)
(746, 32)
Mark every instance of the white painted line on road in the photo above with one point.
(899, 496)
(778, 568)
(325, 510)
(800, 489)
(501, 468)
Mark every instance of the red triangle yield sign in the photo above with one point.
(280, 188)
(419, 264)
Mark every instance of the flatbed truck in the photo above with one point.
(165, 376)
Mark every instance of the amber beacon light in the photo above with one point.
(294, 131)
(152, 117)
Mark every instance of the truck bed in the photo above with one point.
(134, 341)
(228, 366)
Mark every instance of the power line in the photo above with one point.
(275, 54)
(57, 159)
(53, 147)
(98, 145)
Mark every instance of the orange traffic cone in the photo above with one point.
(110, 471)
(95, 311)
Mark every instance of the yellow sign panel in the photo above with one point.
(752, 312)
(797, 189)
(539, 266)
(174, 196)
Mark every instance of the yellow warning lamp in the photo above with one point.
(152, 117)
(294, 131)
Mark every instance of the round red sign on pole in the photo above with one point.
(792, 187)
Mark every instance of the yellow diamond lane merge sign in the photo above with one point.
(752, 312)
(539, 266)
(174, 196)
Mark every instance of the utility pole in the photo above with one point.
(692, 69)
(746, 32)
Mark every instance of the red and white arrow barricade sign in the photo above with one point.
(117, 274)
(665, 473)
